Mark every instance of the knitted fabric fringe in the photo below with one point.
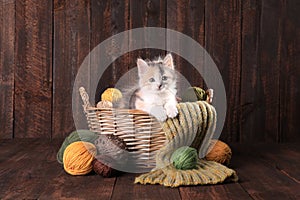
(194, 126)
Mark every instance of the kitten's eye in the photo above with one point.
(151, 80)
(164, 78)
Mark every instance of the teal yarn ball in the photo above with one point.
(193, 94)
(185, 158)
(79, 135)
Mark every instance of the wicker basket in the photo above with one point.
(141, 132)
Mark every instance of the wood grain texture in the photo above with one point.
(289, 93)
(146, 13)
(107, 19)
(224, 191)
(257, 57)
(222, 41)
(251, 122)
(10, 163)
(268, 63)
(29, 170)
(64, 186)
(33, 71)
(34, 166)
(187, 17)
(7, 67)
(71, 46)
(125, 189)
(270, 37)
(260, 176)
(283, 158)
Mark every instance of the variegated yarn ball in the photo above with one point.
(104, 104)
(101, 166)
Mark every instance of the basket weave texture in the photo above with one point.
(142, 133)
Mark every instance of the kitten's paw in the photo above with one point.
(171, 111)
(161, 118)
(159, 113)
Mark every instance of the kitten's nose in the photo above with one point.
(160, 86)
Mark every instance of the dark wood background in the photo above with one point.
(255, 44)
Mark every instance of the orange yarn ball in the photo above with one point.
(78, 158)
(219, 151)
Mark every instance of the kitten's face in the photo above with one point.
(158, 75)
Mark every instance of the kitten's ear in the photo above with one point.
(142, 66)
(168, 61)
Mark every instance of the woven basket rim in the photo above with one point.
(121, 110)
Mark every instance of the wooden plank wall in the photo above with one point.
(7, 63)
(255, 44)
(33, 69)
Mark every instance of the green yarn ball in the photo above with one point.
(193, 94)
(185, 158)
(79, 135)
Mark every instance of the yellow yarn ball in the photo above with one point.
(78, 158)
(111, 94)
(219, 151)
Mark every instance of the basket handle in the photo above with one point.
(85, 98)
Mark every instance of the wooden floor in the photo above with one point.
(29, 170)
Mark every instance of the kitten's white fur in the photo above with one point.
(158, 97)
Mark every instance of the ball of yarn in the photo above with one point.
(79, 135)
(112, 146)
(102, 169)
(111, 94)
(104, 104)
(184, 158)
(194, 94)
(78, 158)
(219, 151)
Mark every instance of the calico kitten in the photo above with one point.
(156, 91)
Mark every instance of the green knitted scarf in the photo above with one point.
(194, 126)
